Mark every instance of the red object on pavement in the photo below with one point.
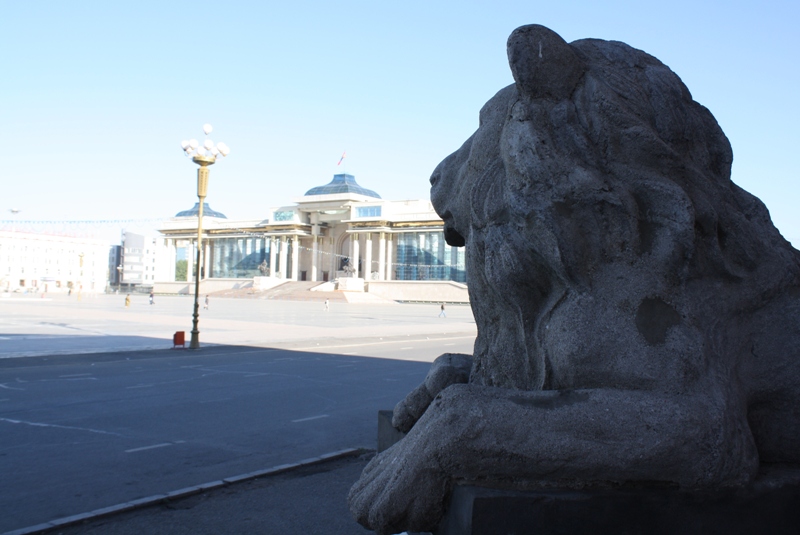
(179, 339)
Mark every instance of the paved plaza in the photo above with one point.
(97, 410)
(61, 324)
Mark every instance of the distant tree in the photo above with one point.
(180, 270)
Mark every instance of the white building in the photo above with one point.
(140, 260)
(336, 231)
(48, 262)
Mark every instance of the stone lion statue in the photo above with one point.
(638, 313)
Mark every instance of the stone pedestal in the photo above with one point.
(387, 435)
(770, 505)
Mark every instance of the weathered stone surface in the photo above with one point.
(446, 370)
(638, 313)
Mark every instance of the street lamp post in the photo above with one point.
(203, 155)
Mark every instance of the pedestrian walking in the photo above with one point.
(327, 304)
(152, 296)
(205, 304)
(128, 301)
(442, 312)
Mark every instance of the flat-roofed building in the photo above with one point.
(38, 262)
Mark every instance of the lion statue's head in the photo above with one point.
(601, 224)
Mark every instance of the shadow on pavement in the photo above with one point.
(308, 500)
(215, 400)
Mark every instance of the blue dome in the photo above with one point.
(196, 208)
(343, 183)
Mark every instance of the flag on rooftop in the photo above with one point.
(342, 158)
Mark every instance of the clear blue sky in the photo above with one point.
(96, 96)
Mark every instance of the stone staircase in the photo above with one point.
(300, 291)
(288, 291)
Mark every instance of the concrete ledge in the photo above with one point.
(350, 284)
(420, 291)
(770, 505)
(176, 494)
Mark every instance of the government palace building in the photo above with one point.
(339, 233)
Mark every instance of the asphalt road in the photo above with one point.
(81, 432)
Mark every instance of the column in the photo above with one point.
(333, 260)
(443, 272)
(382, 256)
(295, 257)
(389, 270)
(356, 253)
(282, 258)
(191, 259)
(314, 255)
(206, 258)
(368, 257)
(272, 270)
(171, 259)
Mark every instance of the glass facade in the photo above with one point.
(426, 256)
(416, 256)
(283, 216)
(368, 211)
(237, 258)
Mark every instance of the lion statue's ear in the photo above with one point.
(543, 64)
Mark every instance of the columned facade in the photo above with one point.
(315, 237)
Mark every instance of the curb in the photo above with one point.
(180, 493)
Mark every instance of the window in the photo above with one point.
(368, 211)
(283, 216)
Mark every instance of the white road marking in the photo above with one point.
(4, 338)
(10, 387)
(154, 446)
(402, 348)
(310, 418)
(38, 424)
